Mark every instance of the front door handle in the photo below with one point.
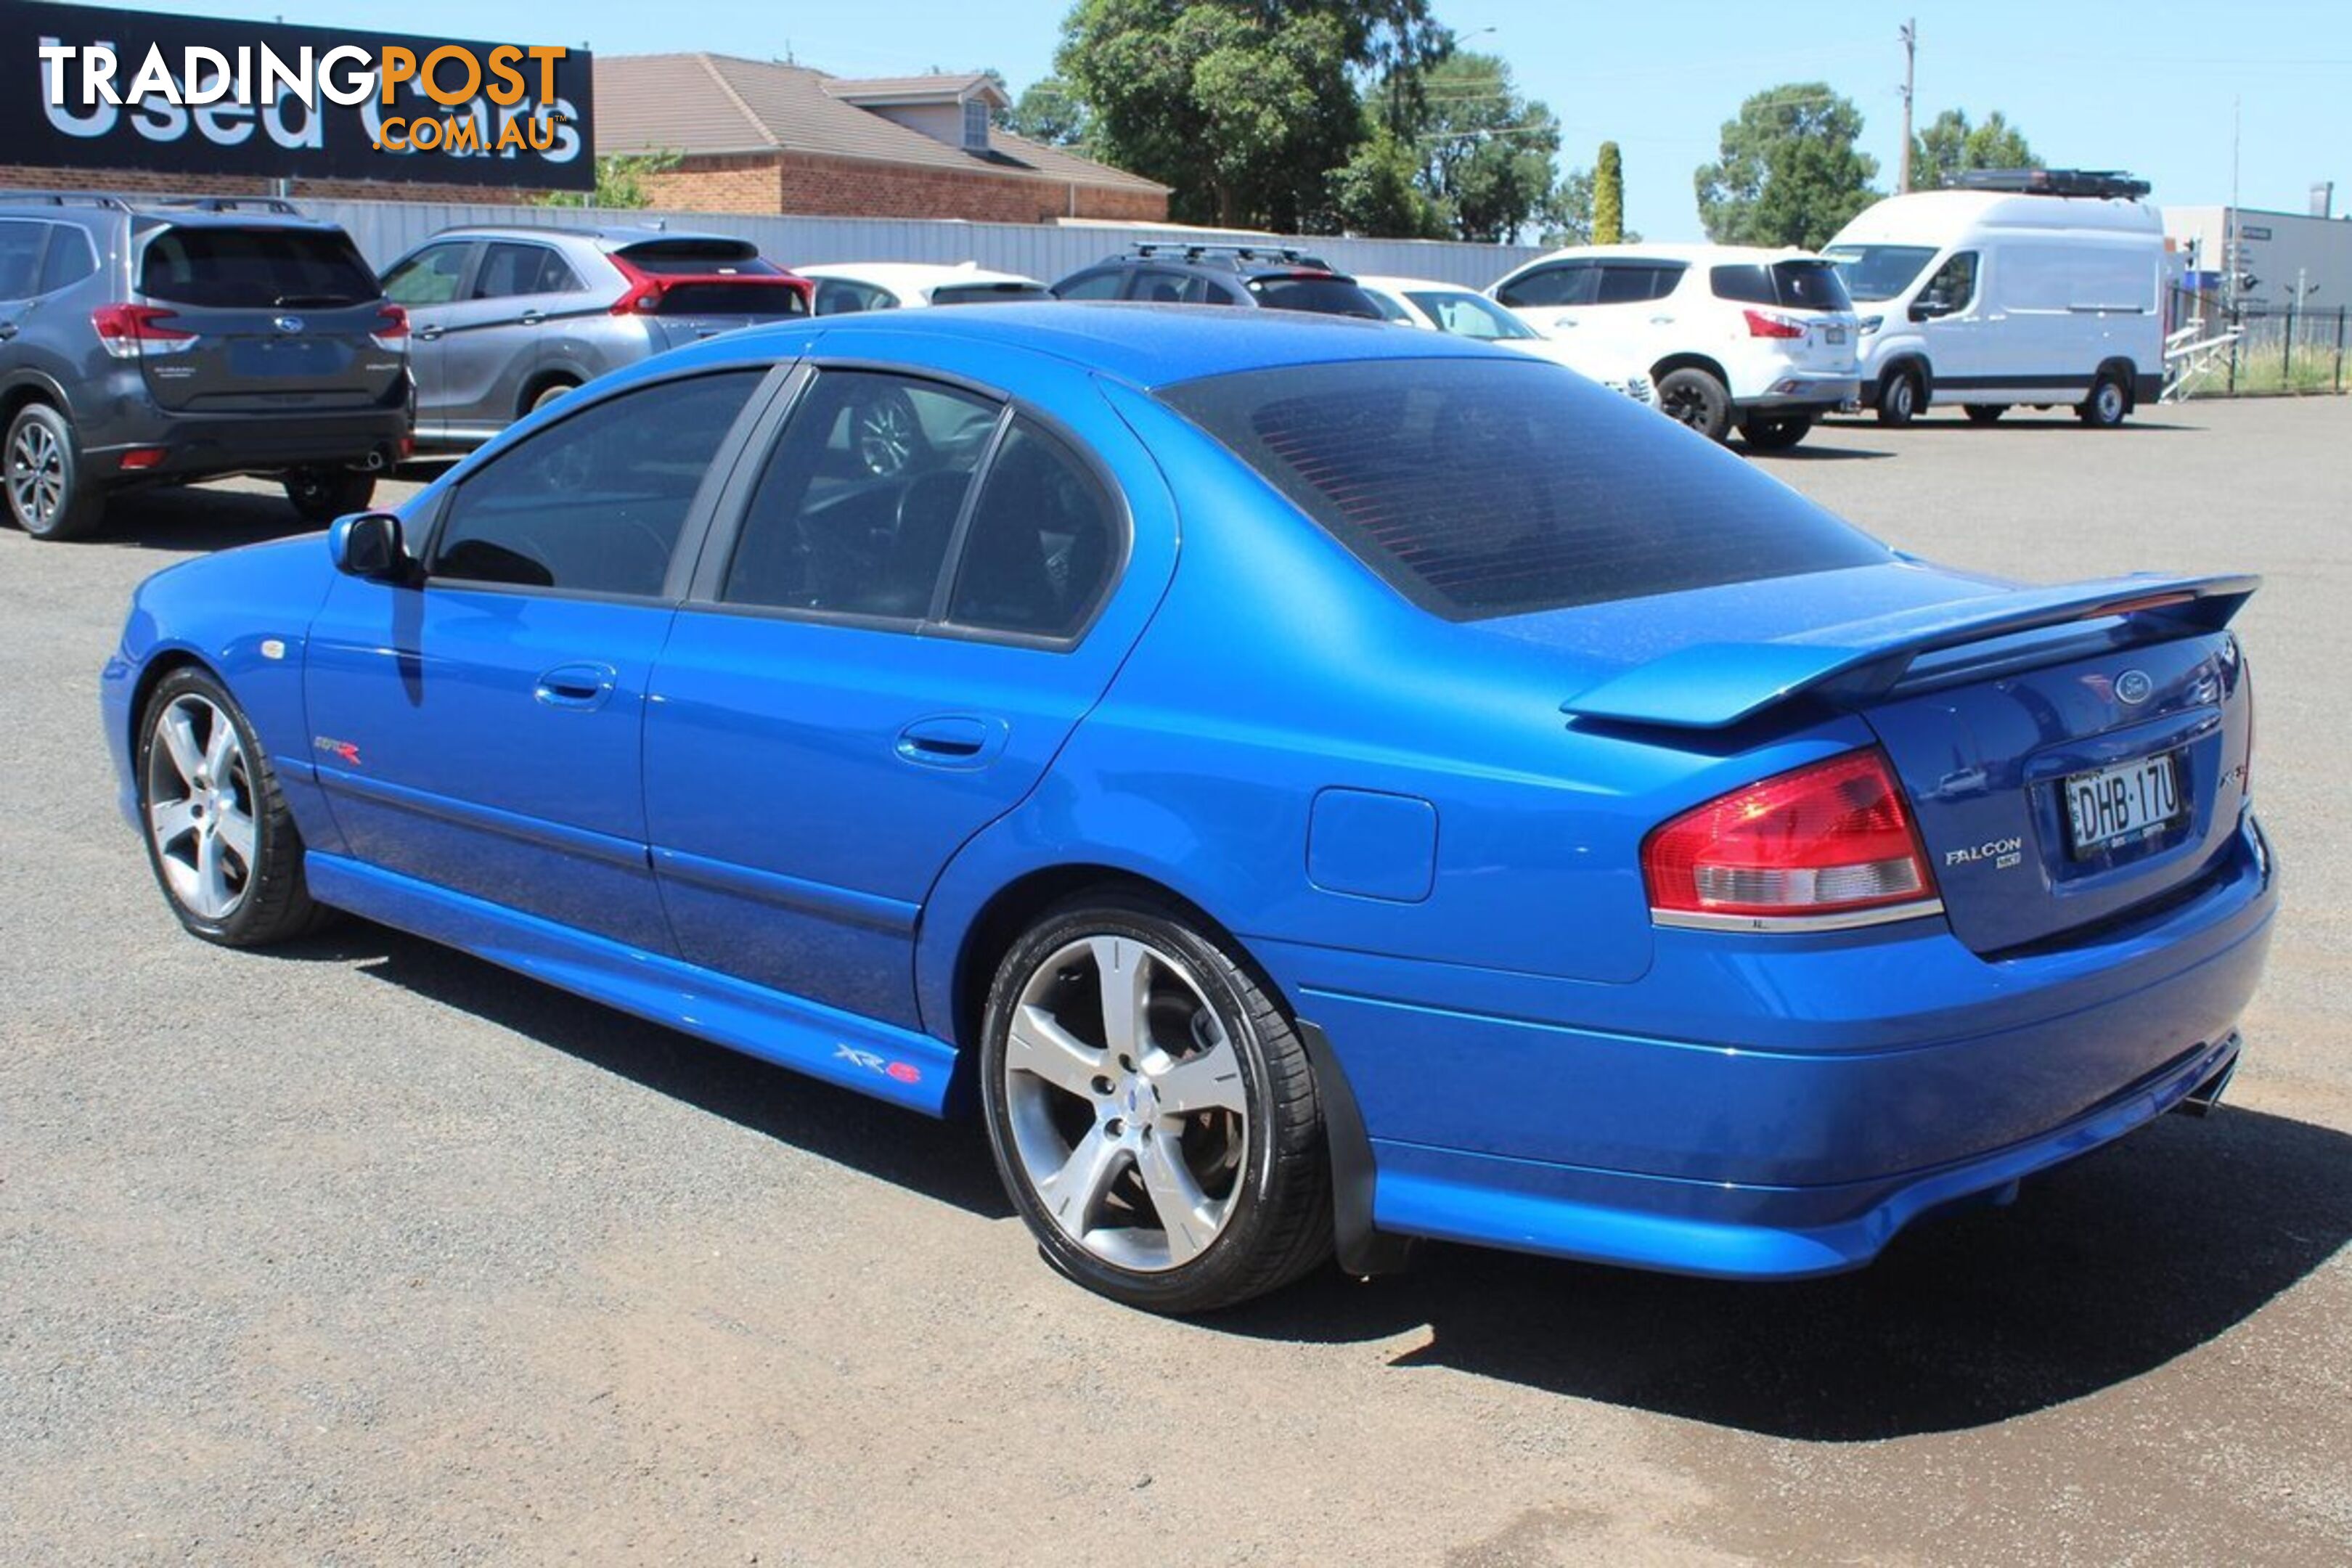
(532, 318)
(586, 687)
(426, 334)
(953, 741)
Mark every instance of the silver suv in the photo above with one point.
(159, 340)
(505, 319)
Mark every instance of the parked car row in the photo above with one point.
(161, 340)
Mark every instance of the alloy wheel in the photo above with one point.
(37, 474)
(1126, 1102)
(200, 808)
(885, 436)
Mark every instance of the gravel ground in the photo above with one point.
(366, 1252)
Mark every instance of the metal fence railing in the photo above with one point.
(2222, 348)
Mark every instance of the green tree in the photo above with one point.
(1567, 214)
(623, 180)
(1049, 111)
(1789, 171)
(1485, 151)
(1244, 108)
(1609, 196)
(1378, 191)
(1951, 145)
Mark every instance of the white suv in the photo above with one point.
(1764, 339)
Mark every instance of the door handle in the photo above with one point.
(953, 741)
(426, 334)
(7, 331)
(532, 318)
(580, 685)
(1662, 321)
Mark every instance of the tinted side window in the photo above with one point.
(1161, 287)
(594, 503)
(841, 297)
(858, 501)
(1633, 283)
(511, 269)
(1746, 282)
(70, 259)
(428, 278)
(20, 258)
(1104, 285)
(1570, 283)
(1044, 542)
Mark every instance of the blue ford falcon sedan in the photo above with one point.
(1306, 787)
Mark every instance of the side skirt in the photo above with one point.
(880, 1059)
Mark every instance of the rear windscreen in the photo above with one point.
(748, 298)
(1477, 487)
(255, 268)
(1327, 296)
(988, 293)
(1791, 285)
(689, 257)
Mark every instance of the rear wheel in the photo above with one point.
(322, 495)
(549, 393)
(1698, 400)
(2108, 403)
(222, 842)
(1983, 413)
(1776, 435)
(48, 496)
(1152, 1113)
(1900, 398)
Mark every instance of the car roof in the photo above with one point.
(1415, 285)
(911, 275)
(614, 235)
(1146, 345)
(1695, 254)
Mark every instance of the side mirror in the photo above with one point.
(1930, 307)
(368, 545)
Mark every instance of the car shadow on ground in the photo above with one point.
(188, 518)
(2056, 419)
(947, 1161)
(1810, 452)
(2104, 1270)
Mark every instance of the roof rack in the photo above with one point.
(62, 198)
(1193, 250)
(230, 204)
(121, 203)
(2103, 183)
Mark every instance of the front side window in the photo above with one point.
(1568, 283)
(1043, 542)
(1953, 288)
(594, 503)
(858, 505)
(428, 278)
(20, 257)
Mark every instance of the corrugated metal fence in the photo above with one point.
(385, 229)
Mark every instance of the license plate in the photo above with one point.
(283, 356)
(1833, 334)
(2130, 800)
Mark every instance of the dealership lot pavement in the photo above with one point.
(365, 1251)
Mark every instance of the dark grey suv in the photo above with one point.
(154, 341)
(508, 318)
(1271, 277)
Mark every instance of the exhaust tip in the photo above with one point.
(2206, 1097)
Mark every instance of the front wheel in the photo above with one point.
(322, 495)
(2108, 403)
(1698, 400)
(1898, 399)
(1152, 1113)
(1776, 435)
(1983, 413)
(219, 836)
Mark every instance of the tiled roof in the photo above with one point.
(720, 103)
(935, 88)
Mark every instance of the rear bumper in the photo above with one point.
(206, 445)
(1788, 1106)
(1799, 392)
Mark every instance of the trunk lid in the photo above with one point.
(691, 287)
(262, 318)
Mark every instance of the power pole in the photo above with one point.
(1910, 36)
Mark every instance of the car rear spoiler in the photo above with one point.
(1716, 685)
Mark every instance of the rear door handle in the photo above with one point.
(426, 334)
(587, 687)
(532, 318)
(953, 741)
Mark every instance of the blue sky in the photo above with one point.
(2143, 86)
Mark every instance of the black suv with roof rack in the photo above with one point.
(158, 340)
(1269, 277)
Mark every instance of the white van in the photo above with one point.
(2037, 286)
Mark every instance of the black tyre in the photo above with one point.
(1152, 1112)
(219, 836)
(552, 392)
(2109, 402)
(49, 497)
(1697, 399)
(1901, 398)
(322, 495)
(1984, 413)
(1776, 435)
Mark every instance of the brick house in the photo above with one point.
(759, 136)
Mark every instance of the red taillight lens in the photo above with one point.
(392, 327)
(129, 330)
(644, 298)
(1764, 324)
(1830, 839)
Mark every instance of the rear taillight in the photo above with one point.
(1765, 324)
(390, 329)
(1814, 847)
(129, 332)
(645, 291)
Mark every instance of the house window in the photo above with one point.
(975, 125)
